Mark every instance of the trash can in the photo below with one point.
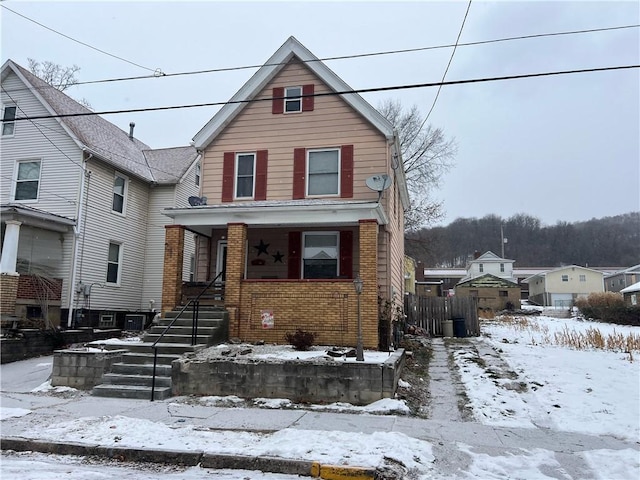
(447, 328)
(459, 327)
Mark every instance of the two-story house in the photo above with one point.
(81, 203)
(617, 281)
(490, 263)
(305, 192)
(561, 286)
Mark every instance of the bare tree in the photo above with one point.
(427, 155)
(57, 76)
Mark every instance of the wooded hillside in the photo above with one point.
(608, 241)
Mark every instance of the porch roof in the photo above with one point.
(36, 218)
(278, 213)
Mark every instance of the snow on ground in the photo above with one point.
(6, 412)
(587, 391)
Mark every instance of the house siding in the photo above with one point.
(183, 190)
(332, 123)
(593, 283)
(128, 230)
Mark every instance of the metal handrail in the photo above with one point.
(194, 328)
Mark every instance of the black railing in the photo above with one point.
(194, 327)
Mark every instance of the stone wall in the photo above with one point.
(317, 381)
(33, 343)
(82, 368)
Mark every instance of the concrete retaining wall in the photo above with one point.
(82, 369)
(318, 381)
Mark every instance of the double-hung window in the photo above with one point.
(565, 278)
(323, 167)
(119, 193)
(198, 173)
(114, 261)
(481, 267)
(8, 120)
(320, 255)
(245, 174)
(292, 99)
(27, 180)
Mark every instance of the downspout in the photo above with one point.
(76, 238)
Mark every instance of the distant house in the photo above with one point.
(81, 203)
(491, 291)
(621, 279)
(490, 263)
(631, 294)
(306, 193)
(409, 275)
(561, 286)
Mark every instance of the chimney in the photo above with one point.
(476, 255)
(420, 272)
(131, 127)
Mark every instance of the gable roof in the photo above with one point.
(630, 270)
(559, 269)
(488, 281)
(289, 49)
(489, 256)
(96, 135)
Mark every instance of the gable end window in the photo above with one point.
(27, 180)
(198, 173)
(114, 262)
(119, 194)
(293, 99)
(8, 120)
(481, 267)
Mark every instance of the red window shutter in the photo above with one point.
(299, 167)
(228, 167)
(295, 254)
(261, 175)
(346, 171)
(346, 253)
(277, 105)
(307, 102)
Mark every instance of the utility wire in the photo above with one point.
(157, 72)
(344, 92)
(346, 57)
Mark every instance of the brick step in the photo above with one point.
(141, 369)
(131, 391)
(136, 380)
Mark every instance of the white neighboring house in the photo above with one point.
(81, 204)
(561, 286)
(490, 263)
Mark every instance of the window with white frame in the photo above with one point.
(502, 267)
(119, 193)
(245, 174)
(323, 172)
(292, 99)
(114, 262)
(8, 120)
(320, 255)
(565, 278)
(198, 171)
(583, 278)
(481, 267)
(27, 180)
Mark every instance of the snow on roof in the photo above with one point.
(631, 288)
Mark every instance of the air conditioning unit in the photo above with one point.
(134, 322)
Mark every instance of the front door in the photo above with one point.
(221, 259)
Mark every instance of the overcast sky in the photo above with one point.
(561, 148)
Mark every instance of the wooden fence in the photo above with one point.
(429, 312)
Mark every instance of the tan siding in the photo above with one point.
(332, 123)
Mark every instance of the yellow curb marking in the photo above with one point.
(337, 472)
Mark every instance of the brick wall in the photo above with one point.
(31, 286)
(236, 240)
(8, 291)
(172, 271)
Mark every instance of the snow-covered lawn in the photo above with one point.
(589, 391)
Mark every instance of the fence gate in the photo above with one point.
(429, 312)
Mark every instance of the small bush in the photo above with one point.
(300, 340)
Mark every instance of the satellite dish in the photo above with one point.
(197, 201)
(378, 183)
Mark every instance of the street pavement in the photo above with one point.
(17, 380)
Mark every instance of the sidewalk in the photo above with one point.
(446, 437)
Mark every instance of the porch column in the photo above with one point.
(172, 271)
(10, 248)
(369, 274)
(236, 261)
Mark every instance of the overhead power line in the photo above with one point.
(344, 92)
(157, 72)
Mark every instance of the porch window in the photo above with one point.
(8, 120)
(245, 168)
(292, 99)
(320, 255)
(324, 172)
(114, 261)
(27, 180)
(119, 193)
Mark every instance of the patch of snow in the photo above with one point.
(6, 412)
(47, 387)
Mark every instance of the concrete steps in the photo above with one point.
(132, 378)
